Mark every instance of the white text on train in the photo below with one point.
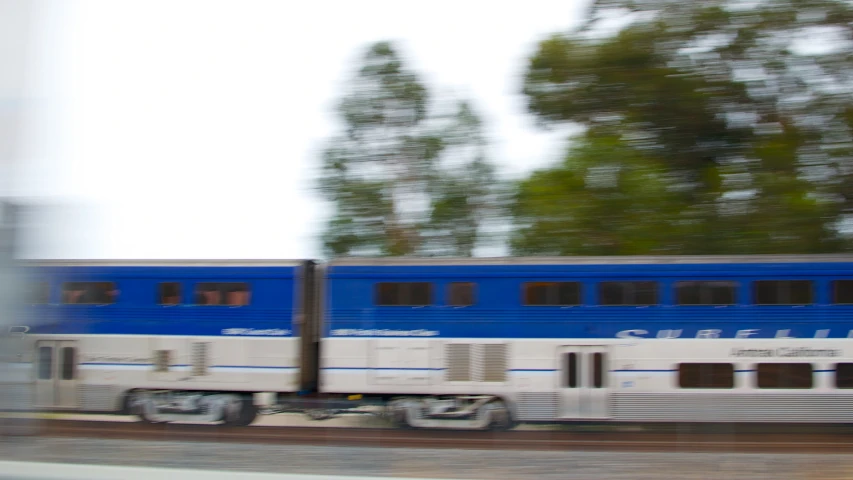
(785, 352)
(353, 332)
(715, 333)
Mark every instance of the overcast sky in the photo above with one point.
(190, 128)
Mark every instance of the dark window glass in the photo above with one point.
(842, 291)
(232, 294)
(39, 293)
(705, 293)
(785, 375)
(706, 375)
(598, 370)
(568, 293)
(404, 294)
(628, 293)
(461, 294)
(69, 362)
(89, 293)
(844, 375)
(611, 293)
(419, 294)
(45, 363)
(558, 294)
(387, 294)
(536, 293)
(783, 292)
(571, 370)
(169, 293)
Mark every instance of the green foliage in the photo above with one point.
(605, 199)
(731, 133)
(403, 180)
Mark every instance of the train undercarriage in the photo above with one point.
(166, 406)
(461, 412)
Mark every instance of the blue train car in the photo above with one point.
(468, 339)
(182, 339)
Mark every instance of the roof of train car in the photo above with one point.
(164, 263)
(590, 260)
(449, 261)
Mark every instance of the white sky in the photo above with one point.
(191, 128)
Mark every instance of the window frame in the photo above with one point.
(833, 294)
(734, 285)
(113, 287)
(682, 373)
(377, 286)
(657, 293)
(555, 285)
(812, 293)
(161, 296)
(758, 368)
(848, 385)
(221, 287)
(450, 297)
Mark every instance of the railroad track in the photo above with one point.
(391, 438)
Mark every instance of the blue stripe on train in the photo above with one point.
(576, 330)
(195, 329)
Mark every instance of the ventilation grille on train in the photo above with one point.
(465, 362)
(199, 358)
(537, 406)
(741, 407)
(162, 360)
(97, 397)
(458, 358)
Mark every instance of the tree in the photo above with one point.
(604, 199)
(753, 130)
(404, 180)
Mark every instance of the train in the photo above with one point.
(459, 343)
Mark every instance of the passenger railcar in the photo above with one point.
(170, 340)
(486, 342)
(451, 343)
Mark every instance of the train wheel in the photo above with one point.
(501, 417)
(135, 404)
(246, 414)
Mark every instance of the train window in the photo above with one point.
(169, 293)
(842, 292)
(461, 294)
(598, 370)
(89, 293)
(785, 375)
(572, 366)
(628, 293)
(783, 292)
(233, 294)
(69, 362)
(552, 294)
(45, 363)
(844, 375)
(39, 293)
(705, 293)
(404, 294)
(706, 375)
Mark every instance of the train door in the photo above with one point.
(56, 373)
(583, 381)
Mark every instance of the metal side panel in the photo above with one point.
(728, 407)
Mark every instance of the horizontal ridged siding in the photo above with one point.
(700, 407)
